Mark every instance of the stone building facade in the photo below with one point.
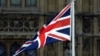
(87, 27)
(20, 20)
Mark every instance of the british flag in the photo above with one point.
(57, 29)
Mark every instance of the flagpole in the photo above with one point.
(73, 27)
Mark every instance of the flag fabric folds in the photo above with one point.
(58, 29)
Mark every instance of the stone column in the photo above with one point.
(78, 30)
(78, 25)
(23, 3)
(8, 3)
(59, 49)
(61, 4)
(42, 6)
(8, 47)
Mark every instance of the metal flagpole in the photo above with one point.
(73, 27)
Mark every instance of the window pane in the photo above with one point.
(14, 47)
(15, 2)
(2, 50)
(31, 3)
(2, 2)
(87, 25)
(99, 24)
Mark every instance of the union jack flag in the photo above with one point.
(57, 29)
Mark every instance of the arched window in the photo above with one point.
(15, 2)
(3, 3)
(30, 3)
(15, 46)
(2, 50)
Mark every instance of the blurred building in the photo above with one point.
(20, 20)
(87, 27)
